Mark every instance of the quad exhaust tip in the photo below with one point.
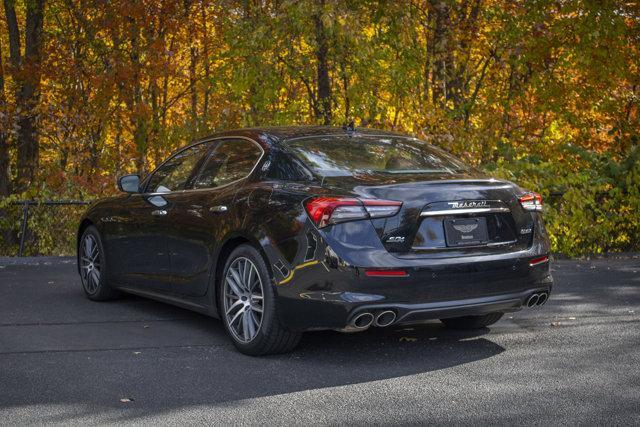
(385, 318)
(537, 299)
(362, 320)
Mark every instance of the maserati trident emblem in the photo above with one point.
(471, 204)
(465, 228)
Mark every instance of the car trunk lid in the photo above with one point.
(444, 215)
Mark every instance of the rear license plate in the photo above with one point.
(466, 231)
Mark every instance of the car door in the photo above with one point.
(141, 249)
(208, 211)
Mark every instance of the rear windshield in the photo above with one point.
(349, 155)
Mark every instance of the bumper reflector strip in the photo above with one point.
(538, 261)
(385, 273)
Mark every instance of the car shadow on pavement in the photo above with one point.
(210, 372)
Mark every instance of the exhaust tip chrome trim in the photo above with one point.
(542, 299)
(362, 320)
(532, 300)
(385, 318)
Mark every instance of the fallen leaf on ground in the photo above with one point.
(572, 318)
(555, 323)
(126, 400)
(137, 352)
(408, 339)
(146, 326)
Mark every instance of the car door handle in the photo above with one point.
(159, 212)
(218, 209)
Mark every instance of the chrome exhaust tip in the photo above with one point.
(533, 300)
(385, 318)
(542, 298)
(362, 320)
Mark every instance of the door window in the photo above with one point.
(231, 161)
(175, 172)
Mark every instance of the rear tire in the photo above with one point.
(472, 322)
(248, 307)
(92, 262)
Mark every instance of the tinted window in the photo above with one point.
(346, 155)
(175, 172)
(231, 161)
(288, 168)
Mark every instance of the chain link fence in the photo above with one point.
(33, 228)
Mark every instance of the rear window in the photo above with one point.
(349, 155)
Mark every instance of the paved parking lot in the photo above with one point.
(67, 360)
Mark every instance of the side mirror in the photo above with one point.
(129, 183)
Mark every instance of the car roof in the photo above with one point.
(270, 135)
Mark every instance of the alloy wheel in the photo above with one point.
(243, 299)
(90, 264)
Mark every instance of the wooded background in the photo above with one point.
(542, 92)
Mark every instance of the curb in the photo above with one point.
(37, 260)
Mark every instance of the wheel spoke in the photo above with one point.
(233, 286)
(94, 279)
(237, 315)
(234, 306)
(255, 319)
(88, 244)
(246, 272)
(236, 277)
(251, 279)
(247, 325)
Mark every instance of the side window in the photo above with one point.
(231, 161)
(175, 172)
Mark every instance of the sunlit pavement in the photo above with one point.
(67, 360)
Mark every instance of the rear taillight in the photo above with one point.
(531, 202)
(325, 211)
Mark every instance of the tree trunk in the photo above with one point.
(193, 59)
(322, 53)
(439, 42)
(27, 73)
(193, 62)
(138, 119)
(5, 181)
(207, 83)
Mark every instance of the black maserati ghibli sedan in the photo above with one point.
(282, 230)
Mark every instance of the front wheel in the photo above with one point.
(248, 306)
(93, 267)
(472, 322)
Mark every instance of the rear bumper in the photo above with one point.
(409, 313)
(324, 297)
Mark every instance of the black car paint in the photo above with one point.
(318, 273)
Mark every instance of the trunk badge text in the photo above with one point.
(396, 239)
(460, 205)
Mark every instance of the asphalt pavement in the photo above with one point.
(67, 360)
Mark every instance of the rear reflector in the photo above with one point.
(538, 261)
(385, 273)
(531, 202)
(325, 211)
